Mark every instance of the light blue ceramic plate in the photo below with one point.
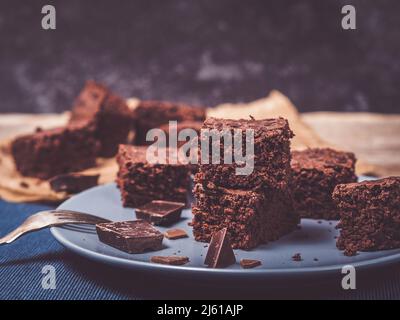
(314, 241)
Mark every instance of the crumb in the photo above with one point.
(297, 257)
(319, 222)
(24, 184)
(316, 260)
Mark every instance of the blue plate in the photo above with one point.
(315, 241)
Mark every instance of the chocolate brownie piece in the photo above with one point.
(369, 215)
(110, 116)
(141, 181)
(316, 172)
(154, 114)
(251, 217)
(130, 236)
(47, 153)
(271, 154)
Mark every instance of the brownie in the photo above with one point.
(154, 114)
(369, 215)
(316, 172)
(47, 153)
(251, 217)
(271, 154)
(141, 181)
(130, 236)
(109, 115)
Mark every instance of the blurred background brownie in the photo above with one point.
(369, 215)
(141, 181)
(47, 153)
(154, 114)
(110, 116)
(316, 172)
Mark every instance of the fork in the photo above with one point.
(49, 218)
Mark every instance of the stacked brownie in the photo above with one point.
(141, 181)
(156, 114)
(369, 215)
(255, 208)
(316, 172)
(108, 114)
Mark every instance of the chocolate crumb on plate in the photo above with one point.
(171, 260)
(173, 234)
(220, 253)
(297, 257)
(160, 212)
(249, 263)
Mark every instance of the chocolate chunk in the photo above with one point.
(130, 236)
(249, 263)
(297, 257)
(160, 212)
(171, 260)
(73, 182)
(220, 253)
(175, 234)
(24, 184)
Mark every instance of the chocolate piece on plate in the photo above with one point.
(220, 253)
(249, 263)
(130, 236)
(73, 182)
(160, 212)
(171, 260)
(173, 234)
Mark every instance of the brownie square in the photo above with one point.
(154, 114)
(130, 236)
(110, 116)
(251, 217)
(369, 215)
(47, 153)
(141, 181)
(271, 154)
(316, 172)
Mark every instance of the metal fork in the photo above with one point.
(44, 219)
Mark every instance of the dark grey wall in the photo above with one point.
(202, 52)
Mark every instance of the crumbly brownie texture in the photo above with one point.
(316, 172)
(110, 116)
(271, 154)
(154, 114)
(140, 181)
(251, 217)
(48, 153)
(369, 215)
(73, 182)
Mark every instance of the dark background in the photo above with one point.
(203, 52)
